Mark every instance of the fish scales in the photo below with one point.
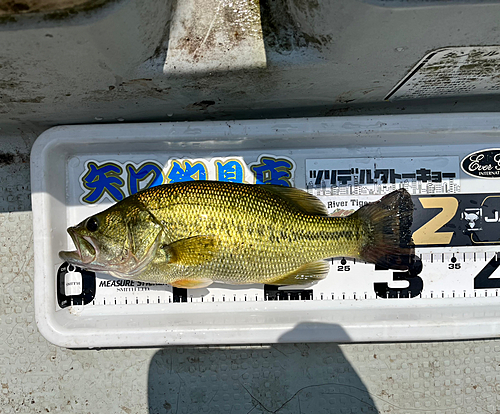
(191, 234)
(261, 236)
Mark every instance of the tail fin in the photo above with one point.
(389, 243)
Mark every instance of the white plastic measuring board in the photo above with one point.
(449, 163)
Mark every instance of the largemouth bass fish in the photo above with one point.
(194, 233)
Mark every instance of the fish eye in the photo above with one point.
(92, 224)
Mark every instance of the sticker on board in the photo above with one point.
(483, 164)
(452, 71)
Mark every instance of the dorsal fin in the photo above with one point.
(305, 202)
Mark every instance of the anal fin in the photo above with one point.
(304, 275)
(192, 283)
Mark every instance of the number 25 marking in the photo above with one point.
(427, 234)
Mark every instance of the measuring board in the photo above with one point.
(455, 188)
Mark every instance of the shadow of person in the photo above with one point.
(279, 378)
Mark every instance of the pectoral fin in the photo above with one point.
(192, 251)
(192, 283)
(305, 274)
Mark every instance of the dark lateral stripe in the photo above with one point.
(313, 236)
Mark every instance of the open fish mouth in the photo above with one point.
(85, 252)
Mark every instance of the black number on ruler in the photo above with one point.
(271, 292)
(343, 267)
(179, 294)
(414, 288)
(482, 280)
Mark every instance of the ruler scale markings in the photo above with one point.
(451, 257)
(346, 295)
(461, 259)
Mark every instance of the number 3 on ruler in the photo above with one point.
(427, 234)
(414, 288)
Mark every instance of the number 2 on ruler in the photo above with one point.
(427, 234)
